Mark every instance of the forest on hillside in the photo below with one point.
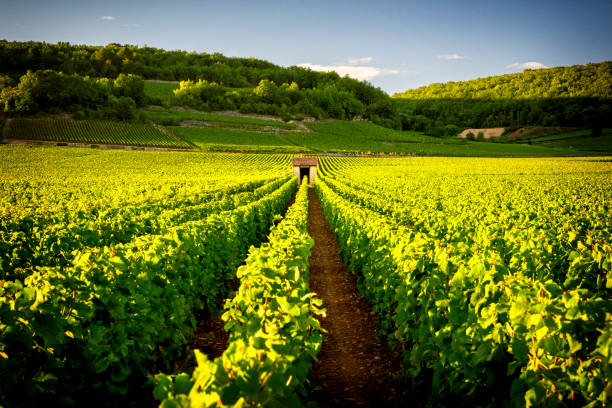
(212, 81)
(106, 82)
(580, 95)
(577, 81)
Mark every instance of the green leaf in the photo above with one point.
(182, 384)
(164, 387)
(230, 394)
(519, 349)
(519, 308)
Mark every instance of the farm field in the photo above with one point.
(355, 137)
(226, 132)
(206, 205)
(89, 131)
(489, 277)
(175, 117)
(601, 143)
(585, 133)
(108, 257)
(160, 90)
(492, 275)
(215, 139)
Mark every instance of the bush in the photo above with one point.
(168, 121)
(451, 130)
(123, 108)
(246, 108)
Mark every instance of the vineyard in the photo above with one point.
(216, 139)
(175, 116)
(109, 257)
(97, 132)
(491, 278)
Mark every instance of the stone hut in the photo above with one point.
(305, 166)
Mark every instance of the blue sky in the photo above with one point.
(396, 45)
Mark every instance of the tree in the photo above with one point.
(451, 130)
(123, 108)
(132, 86)
(266, 91)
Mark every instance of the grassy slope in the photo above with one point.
(161, 114)
(217, 139)
(334, 136)
(600, 144)
(366, 137)
(161, 90)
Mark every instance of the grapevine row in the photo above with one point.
(116, 311)
(46, 245)
(274, 333)
(65, 130)
(475, 312)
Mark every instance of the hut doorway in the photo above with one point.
(305, 172)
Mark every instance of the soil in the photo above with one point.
(210, 338)
(355, 368)
(194, 123)
(540, 131)
(487, 133)
(161, 81)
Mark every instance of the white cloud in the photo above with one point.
(132, 25)
(107, 18)
(363, 60)
(449, 57)
(526, 65)
(358, 72)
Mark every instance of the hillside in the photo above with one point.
(576, 96)
(577, 81)
(72, 73)
(214, 103)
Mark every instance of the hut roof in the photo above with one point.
(304, 161)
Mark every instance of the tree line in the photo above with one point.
(579, 95)
(84, 78)
(212, 80)
(54, 92)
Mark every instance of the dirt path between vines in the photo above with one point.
(355, 367)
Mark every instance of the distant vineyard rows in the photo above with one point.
(97, 132)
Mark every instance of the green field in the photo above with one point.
(218, 132)
(366, 131)
(175, 117)
(160, 90)
(218, 139)
(88, 131)
(601, 144)
(355, 137)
